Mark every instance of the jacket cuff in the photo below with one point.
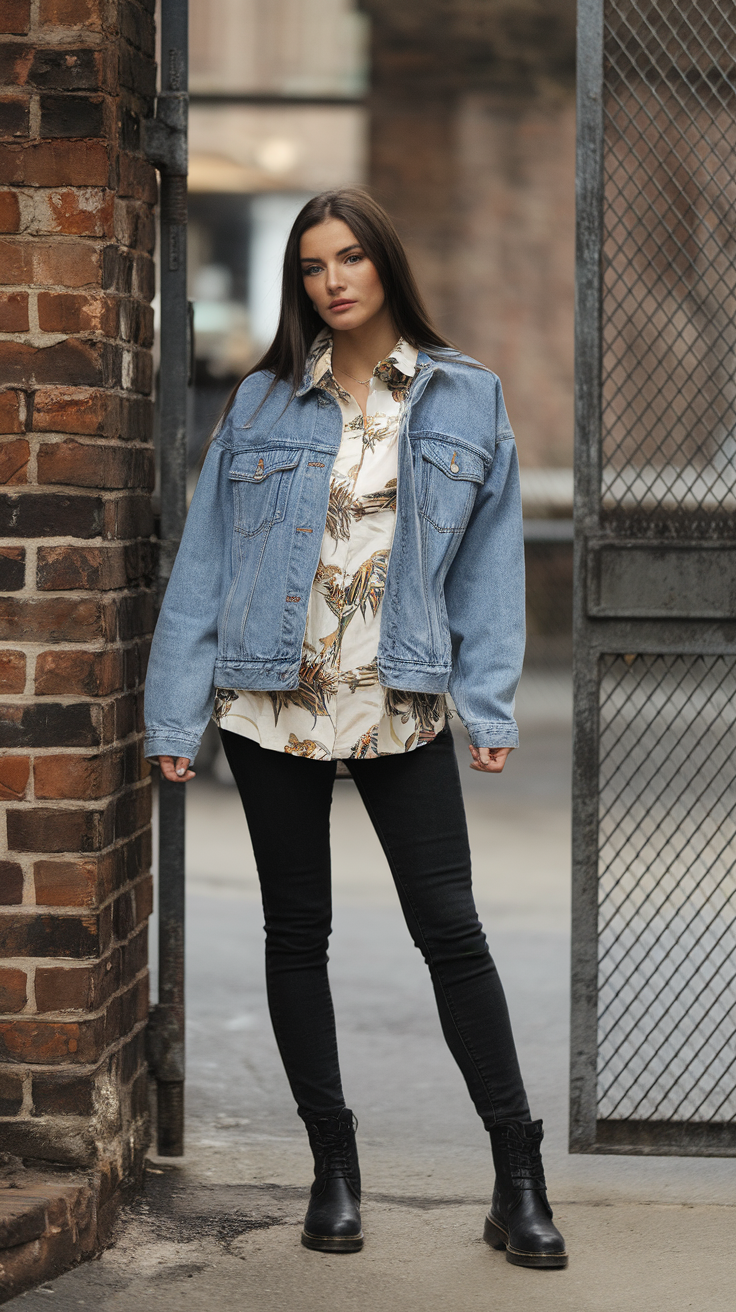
(159, 742)
(494, 733)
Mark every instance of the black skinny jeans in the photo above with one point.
(415, 803)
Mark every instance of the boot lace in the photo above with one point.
(525, 1162)
(332, 1145)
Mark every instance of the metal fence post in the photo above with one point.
(166, 144)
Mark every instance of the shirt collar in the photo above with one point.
(318, 369)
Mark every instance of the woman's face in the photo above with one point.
(340, 280)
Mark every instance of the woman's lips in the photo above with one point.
(341, 305)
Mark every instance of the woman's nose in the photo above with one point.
(335, 281)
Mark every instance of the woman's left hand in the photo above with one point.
(489, 760)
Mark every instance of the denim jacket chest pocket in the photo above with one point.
(261, 479)
(448, 476)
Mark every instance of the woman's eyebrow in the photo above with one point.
(317, 259)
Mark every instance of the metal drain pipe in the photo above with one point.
(166, 147)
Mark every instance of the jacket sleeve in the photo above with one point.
(179, 683)
(484, 594)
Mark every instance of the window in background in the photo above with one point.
(256, 155)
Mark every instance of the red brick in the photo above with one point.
(14, 117)
(135, 225)
(68, 264)
(39, 934)
(81, 363)
(16, 261)
(56, 1094)
(144, 277)
(87, 464)
(13, 312)
(60, 163)
(15, 16)
(136, 322)
(65, 264)
(71, 776)
(48, 514)
(54, 724)
(11, 420)
(65, 883)
(63, 115)
(16, 59)
(12, 568)
(14, 772)
(47, 1043)
(64, 569)
(11, 1093)
(72, 13)
(125, 517)
(86, 213)
(76, 312)
(51, 829)
(9, 220)
(88, 881)
(57, 619)
(14, 458)
(137, 179)
(70, 410)
(136, 418)
(69, 988)
(11, 884)
(13, 996)
(12, 671)
(85, 673)
(143, 899)
(55, 68)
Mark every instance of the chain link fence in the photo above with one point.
(654, 977)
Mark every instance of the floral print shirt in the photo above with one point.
(340, 710)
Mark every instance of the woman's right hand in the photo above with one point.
(176, 771)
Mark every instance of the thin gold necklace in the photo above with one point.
(367, 382)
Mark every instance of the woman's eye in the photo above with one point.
(353, 259)
(314, 268)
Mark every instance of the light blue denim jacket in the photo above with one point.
(452, 615)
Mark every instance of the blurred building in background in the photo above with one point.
(277, 114)
(459, 115)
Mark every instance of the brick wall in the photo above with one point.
(473, 152)
(76, 558)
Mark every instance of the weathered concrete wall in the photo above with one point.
(473, 153)
(76, 557)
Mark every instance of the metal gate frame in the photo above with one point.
(165, 144)
(602, 628)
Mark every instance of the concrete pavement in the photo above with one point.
(219, 1230)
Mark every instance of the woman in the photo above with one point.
(352, 553)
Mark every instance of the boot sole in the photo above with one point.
(499, 1239)
(333, 1243)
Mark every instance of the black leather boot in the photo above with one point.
(332, 1223)
(520, 1218)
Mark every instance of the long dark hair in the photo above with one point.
(299, 322)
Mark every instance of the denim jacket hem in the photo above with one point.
(412, 676)
(162, 742)
(496, 734)
(273, 675)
